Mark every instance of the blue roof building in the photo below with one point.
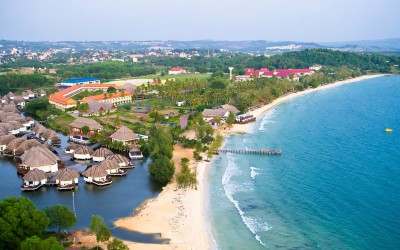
(83, 80)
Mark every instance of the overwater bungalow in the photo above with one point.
(25, 146)
(112, 167)
(67, 179)
(13, 145)
(125, 135)
(75, 128)
(40, 158)
(101, 154)
(5, 140)
(83, 153)
(97, 176)
(51, 137)
(19, 101)
(34, 179)
(122, 161)
(135, 154)
(70, 149)
(38, 130)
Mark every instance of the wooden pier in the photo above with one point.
(252, 151)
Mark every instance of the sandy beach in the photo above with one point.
(180, 215)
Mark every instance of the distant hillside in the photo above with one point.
(393, 43)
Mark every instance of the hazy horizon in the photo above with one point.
(178, 20)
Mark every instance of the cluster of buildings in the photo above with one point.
(293, 74)
(97, 103)
(19, 100)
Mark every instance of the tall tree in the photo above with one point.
(230, 119)
(35, 243)
(19, 219)
(60, 217)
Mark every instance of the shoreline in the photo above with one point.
(181, 215)
(245, 128)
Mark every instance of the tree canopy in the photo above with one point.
(19, 219)
(35, 243)
(60, 217)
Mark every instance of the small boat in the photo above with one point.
(388, 130)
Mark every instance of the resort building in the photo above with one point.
(62, 99)
(79, 81)
(177, 71)
(70, 149)
(75, 128)
(67, 179)
(125, 135)
(221, 112)
(97, 108)
(101, 154)
(112, 167)
(25, 146)
(123, 96)
(83, 153)
(293, 74)
(97, 175)
(34, 179)
(40, 158)
(5, 140)
(122, 161)
(13, 145)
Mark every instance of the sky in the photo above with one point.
(133, 20)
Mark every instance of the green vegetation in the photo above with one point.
(19, 83)
(105, 70)
(117, 244)
(86, 93)
(98, 227)
(160, 147)
(230, 119)
(41, 108)
(61, 123)
(60, 217)
(35, 243)
(19, 219)
(215, 145)
(117, 145)
(186, 177)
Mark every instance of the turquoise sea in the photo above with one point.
(337, 184)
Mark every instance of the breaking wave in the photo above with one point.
(230, 188)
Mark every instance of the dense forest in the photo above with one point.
(17, 83)
(105, 70)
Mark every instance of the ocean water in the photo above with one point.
(337, 184)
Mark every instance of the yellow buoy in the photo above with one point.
(388, 130)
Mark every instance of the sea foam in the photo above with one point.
(230, 188)
(254, 172)
(268, 118)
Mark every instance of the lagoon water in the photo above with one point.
(336, 186)
(111, 202)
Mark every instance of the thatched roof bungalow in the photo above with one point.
(97, 175)
(67, 179)
(51, 137)
(83, 153)
(40, 158)
(122, 161)
(13, 145)
(125, 135)
(25, 146)
(39, 130)
(101, 154)
(70, 149)
(34, 179)
(76, 126)
(5, 140)
(97, 108)
(135, 153)
(112, 167)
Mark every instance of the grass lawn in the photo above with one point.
(61, 123)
